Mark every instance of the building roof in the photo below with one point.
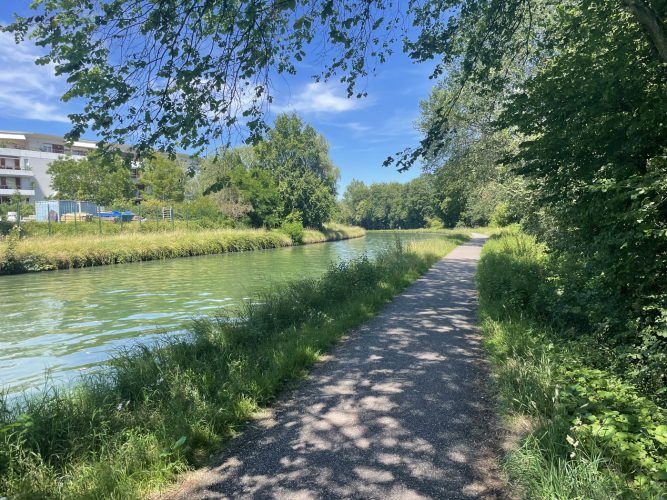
(22, 136)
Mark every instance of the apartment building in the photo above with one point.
(25, 159)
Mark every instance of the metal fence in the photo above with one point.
(79, 218)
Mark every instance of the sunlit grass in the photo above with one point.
(157, 410)
(63, 252)
(332, 232)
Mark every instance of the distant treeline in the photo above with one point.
(431, 200)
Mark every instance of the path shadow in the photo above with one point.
(400, 411)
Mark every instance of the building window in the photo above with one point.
(53, 148)
(10, 163)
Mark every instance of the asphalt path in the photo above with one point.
(401, 409)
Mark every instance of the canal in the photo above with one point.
(54, 325)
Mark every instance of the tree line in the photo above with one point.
(288, 177)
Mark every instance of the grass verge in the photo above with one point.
(64, 252)
(155, 411)
(591, 434)
(332, 232)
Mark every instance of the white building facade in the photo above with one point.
(25, 159)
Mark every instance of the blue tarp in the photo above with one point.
(125, 216)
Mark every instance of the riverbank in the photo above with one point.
(156, 411)
(582, 430)
(369, 421)
(66, 252)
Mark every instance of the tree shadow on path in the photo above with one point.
(401, 410)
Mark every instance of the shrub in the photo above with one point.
(292, 226)
(594, 435)
(501, 216)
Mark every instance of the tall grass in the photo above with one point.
(332, 232)
(591, 435)
(63, 252)
(156, 410)
(31, 229)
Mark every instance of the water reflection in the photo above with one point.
(68, 321)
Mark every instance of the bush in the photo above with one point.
(593, 435)
(292, 226)
(512, 274)
(434, 223)
(501, 217)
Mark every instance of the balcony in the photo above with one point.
(10, 191)
(14, 172)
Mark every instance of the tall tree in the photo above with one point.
(298, 158)
(165, 178)
(465, 157)
(100, 179)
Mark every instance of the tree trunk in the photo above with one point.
(652, 24)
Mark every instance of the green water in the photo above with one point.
(66, 322)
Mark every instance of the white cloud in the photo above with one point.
(28, 91)
(399, 125)
(357, 127)
(319, 97)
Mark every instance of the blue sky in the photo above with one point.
(361, 132)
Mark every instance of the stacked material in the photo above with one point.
(72, 217)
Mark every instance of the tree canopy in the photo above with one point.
(164, 178)
(100, 179)
(390, 205)
(158, 74)
(288, 173)
(298, 159)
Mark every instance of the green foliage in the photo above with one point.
(598, 178)
(250, 193)
(96, 178)
(9, 260)
(519, 286)
(501, 215)
(434, 223)
(298, 158)
(167, 88)
(469, 182)
(164, 178)
(154, 411)
(593, 435)
(289, 171)
(292, 226)
(390, 205)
